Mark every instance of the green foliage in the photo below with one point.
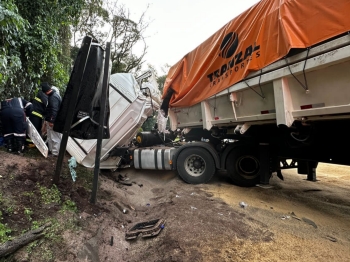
(10, 209)
(50, 195)
(69, 205)
(108, 21)
(12, 26)
(5, 231)
(53, 232)
(161, 82)
(35, 224)
(148, 125)
(28, 212)
(34, 44)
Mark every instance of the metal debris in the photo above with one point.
(310, 222)
(297, 218)
(243, 205)
(121, 180)
(333, 239)
(72, 163)
(145, 229)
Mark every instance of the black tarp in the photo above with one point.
(88, 107)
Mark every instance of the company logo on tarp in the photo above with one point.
(240, 59)
(229, 45)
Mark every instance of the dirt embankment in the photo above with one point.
(294, 220)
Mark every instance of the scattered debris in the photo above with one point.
(193, 208)
(293, 215)
(297, 218)
(121, 207)
(312, 190)
(145, 229)
(264, 186)
(111, 243)
(122, 180)
(243, 205)
(131, 207)
(72, 163)
(285, 217)
(333, 239)
(310, 222)
(177, 196)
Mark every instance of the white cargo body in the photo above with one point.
(129, 109)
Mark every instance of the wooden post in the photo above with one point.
(101, 122)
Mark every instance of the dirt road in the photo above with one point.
(294, 220)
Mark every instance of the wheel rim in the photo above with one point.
(248, 166)
(194, 165)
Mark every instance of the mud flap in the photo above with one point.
(36, 138)
(145, 229)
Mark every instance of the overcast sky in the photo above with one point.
(179, 26)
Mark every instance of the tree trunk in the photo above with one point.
(12, 245)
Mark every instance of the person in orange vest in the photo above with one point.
(38, 114)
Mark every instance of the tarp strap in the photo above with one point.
(262, 93)
(303, 85)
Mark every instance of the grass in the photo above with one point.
(50, 195)
(5, 231)
(28, 212)
(33, 203)
(69, 205)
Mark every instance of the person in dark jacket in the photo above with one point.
(38, 114)
(53, 105)
(13, 118)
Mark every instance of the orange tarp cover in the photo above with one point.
(258, 37)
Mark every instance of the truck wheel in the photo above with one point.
(195, 165)
(243, 166)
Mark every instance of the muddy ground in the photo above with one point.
(292, 220)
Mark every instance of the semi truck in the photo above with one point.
(268, 91)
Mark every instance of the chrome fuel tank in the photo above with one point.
(154, 158)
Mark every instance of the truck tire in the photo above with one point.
(243, 166)
(195, 165)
